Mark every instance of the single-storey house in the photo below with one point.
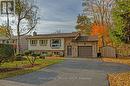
(69, 44)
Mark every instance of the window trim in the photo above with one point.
(57, 46)
(43, 42)
(33, 42)
(6, 3)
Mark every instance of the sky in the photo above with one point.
(55, 15)
(58, 15)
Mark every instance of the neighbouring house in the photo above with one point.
(24, 43)
(13, 41)
(7, 5)
(69, 44)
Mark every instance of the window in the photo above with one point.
(33, 42)
(55, 43)
(43, 42)
(58, 53)
(7, 7)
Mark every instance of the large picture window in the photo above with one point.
(55, 43)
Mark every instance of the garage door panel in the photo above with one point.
(85, 51)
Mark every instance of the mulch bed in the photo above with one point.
(30, 66)
(2, 70)
(54, 57)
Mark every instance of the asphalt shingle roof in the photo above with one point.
(54, 35)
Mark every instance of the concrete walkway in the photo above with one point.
(72, 72)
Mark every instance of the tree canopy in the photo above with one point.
(121, 19)
(4, 31)
(83, 24)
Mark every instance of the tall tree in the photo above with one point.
(100, 13)
(83, 24)
(99, 10)
(26, 18)
(121, 18)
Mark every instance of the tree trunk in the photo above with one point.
(18, 45)
(103, 41)
(18, 37)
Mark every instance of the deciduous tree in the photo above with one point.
(83, 24)
(121, 18)
(26, 18)
(100, 14)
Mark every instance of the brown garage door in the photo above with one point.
(85, 51)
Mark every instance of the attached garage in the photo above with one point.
(85, 51)
(81, 47)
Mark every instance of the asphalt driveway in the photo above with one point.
(71, 72)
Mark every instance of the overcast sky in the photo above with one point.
(58, 15)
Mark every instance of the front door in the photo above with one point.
(69, 50)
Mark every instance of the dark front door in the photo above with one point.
(69, 50)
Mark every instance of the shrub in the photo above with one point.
(42, 56)
(61, 54)
(6, 53)
(50, 54)
(27, 52)
(19, 57)
(38, 54)
(31, 57)
(34, 55)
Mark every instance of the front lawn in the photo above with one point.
(119, 79)
(24, 65)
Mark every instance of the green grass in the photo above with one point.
(20, 63)
(43, 63)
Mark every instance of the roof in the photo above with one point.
(86, 38)
(4, 38)
(75, 35)
(54, 35)
(13, 37)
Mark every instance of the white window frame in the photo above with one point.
(9, 4)
(33, 42)
(55, 45)
(43, 42)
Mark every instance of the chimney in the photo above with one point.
(34, 33)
